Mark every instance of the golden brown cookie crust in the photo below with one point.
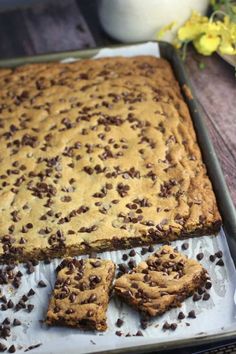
(98, 155)
(81, 294)
(161, 282)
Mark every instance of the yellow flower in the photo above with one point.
(206, 44)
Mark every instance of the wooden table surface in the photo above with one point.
(73, 24)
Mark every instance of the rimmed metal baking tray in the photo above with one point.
(215, 173)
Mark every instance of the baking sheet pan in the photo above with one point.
(215, 317)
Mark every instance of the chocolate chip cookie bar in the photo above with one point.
(163, 281)
(81, 294)
(98, 155)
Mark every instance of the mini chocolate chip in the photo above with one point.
(192, 314)
(185, 246)
(181, 315)
(119, 333)
(90, 313)
(196, 297)
(16, 322)
(92, 298)
(2, 347)
(10, 304)
(200, 256)
(219, 254)
(139, 333)
(144, 250)
(31, 292)
(124, 257)
(132, 253)
(30, 307)
(208, 285)
(151, 248)
(166, 325)
(6, 321)
(212, 258)
(12, 349)
(96, 264)
(119, 322)
(69, 311)
(220, 262)
(41, 284)
(206, 297)
(173, 326)
(132, 264)
(143, 323)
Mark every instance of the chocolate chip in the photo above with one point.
(123, 268)
(173, 326)
(151, 248)
(119, 322)
(132, 253)
(2, 347)
(200, 256)
(143, 323)
(90, 313)
(6, 321)
(12, 349)
(118, 333)
(192, 314)
(219, 254)
(139, 333)
(92, 298)
(124, 257)
(208, 285)
(181, 315)
(10, 304)
(212, 258)
(206, 297)
(4, 307)
(166, 325)
(3, 299)
(30, 307)
(41, 284)
(31, 292)
(16, 322)
(144, 251)
(185, 246)
(200, 291)
(132, 264)
(196, 297)
(220, 262)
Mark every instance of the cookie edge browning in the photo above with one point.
(187, 290)
(89, 324)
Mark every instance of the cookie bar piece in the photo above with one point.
(163, 281)
(81, 294)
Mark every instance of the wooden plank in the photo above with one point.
(215, 89)
(57, 26)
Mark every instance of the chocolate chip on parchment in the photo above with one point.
(119, 322)
(139, 333)
(4, 307)
(219, 254)
(2, 347)
(16, 322)
(196, 297)
(166, 325)
(41, 284)
(208, 285)
(6, 321)
(200, 256)
(173, 326)
(151, 248)
(181, 315)
(10, 304)
(206, 297)
(118, 333)
(31, 292)
(30, 307)
(185, 246)
(132, 253)
(12, 349)
(144, 250)
(220, 262)
(143, 323)
(3, 299)
(132, 264)
(212, 258)
(192, 314)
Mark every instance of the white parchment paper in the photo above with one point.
(213, 316)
